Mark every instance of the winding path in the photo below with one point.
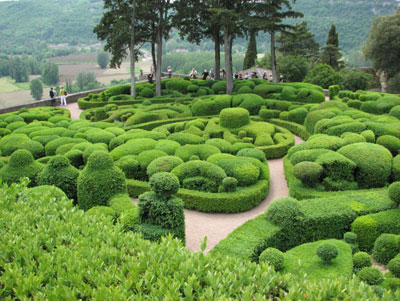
(216, 226)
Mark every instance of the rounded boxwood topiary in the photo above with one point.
(374, 163)
(394, 192)
(252, 153)
(129, 165)
(327, 252)
(391, 283)
(229, 184)
(309, 173)
(350, 237)
(273, 257)
(371, 275)
(394, 266)
(390, 142)
(99, 181)
(234, 117)
(163, 164)
(361, 260)
(75, 157)
(21, 164)
(164, 184)
(147, 93)
(285, 212)
(386, 247)
(60, 173)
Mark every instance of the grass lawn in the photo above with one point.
(303, 262)
(8, 85)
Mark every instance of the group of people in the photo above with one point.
(53, 94)
(207, 74)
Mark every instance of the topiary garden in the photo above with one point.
(196, 148)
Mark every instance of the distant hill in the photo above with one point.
(23, 23)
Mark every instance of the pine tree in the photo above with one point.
(331, 52)
(36, 89)
(251, 53)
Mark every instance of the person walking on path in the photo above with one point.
(63, 95)
(52, 94)
(169, 70)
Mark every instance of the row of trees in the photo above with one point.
(126, 25)
(19, 69)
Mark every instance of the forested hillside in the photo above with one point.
(25, 22)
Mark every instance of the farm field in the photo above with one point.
(199, 163)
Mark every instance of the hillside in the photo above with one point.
(23, 23)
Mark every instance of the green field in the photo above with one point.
(8, 85)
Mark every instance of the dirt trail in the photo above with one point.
(217, 226)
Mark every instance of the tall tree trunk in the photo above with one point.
(132, 51)
(228, 38)
(217, 49)
(159, 63)
(273, 57)
(153, 55)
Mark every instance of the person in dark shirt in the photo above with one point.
(205, 74)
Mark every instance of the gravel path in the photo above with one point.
(217, 226)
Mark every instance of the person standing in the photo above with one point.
(193, 73)
(52, 94)
(212, 75)
(205, 74)
(169, 70)
(63, 95)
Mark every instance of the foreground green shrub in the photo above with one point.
(60, 173)
(99, 181)
(273, 257)
(285, 212)
(394, 192)
(20, 165)
(386, 247)
(234, 117)
(308, 172)
(324, 75)
(361, 260)
(371, 275)
(394, 266)
(327, 252)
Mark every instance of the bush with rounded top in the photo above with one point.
(60, 173)
(75, 157)
(252, 153)
(21, 164)
(178, 85)
(394, 266)
(390, 142)
(98, 147)
(229, 184)
(309, 173)
(163, 164)
(374, 163)
(297, 115)
(250, 102)
(99, 181)
(350, 237)
(361, 260)
(386, 247)
(115, 142)
(223, 145)
(324, 75)
(371, 276)
(146, 157)
(99, 136)
(219, 87)
(203, 151)
(234, 117)
(327, 252)
(285, 212)
(184, 138)
(273, 257)
(164, 184)
(242, 169)
(129, 165)
(394, 192)
(147, 93)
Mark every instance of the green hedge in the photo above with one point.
(369, 227)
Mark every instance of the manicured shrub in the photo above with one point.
(371, 276)
(211, 175)
(183, 138)
(314, 116)
(392, 284)
(147, 93)
(75, 157)
(266, 114)
(390, 142)
(297, 115)
(243, 170)
(308, 172)
(250, 102)
(203, 151)
(146, 157)
(133, 147)
(178, 85)
(100, 114)
(99, 181)
(327, 252)
(386, 247)
(99, 136)
(163, 164)
(324, 75)
(394, 266)
(234, 117)
(223, 145)
(89, 150)
(229, 184)
(130, 166)
(351, 138)
(333, 91)
(350, 237)
(60, 173)
(394, 192)
(219, 87)
(252, 153)
(285, 212)
(21, 164)
(369, 136)
(374, 163)
(210, 106)
(104, 211)
(337, 166)
(160, 208)
(361, 260)
(273, 257)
